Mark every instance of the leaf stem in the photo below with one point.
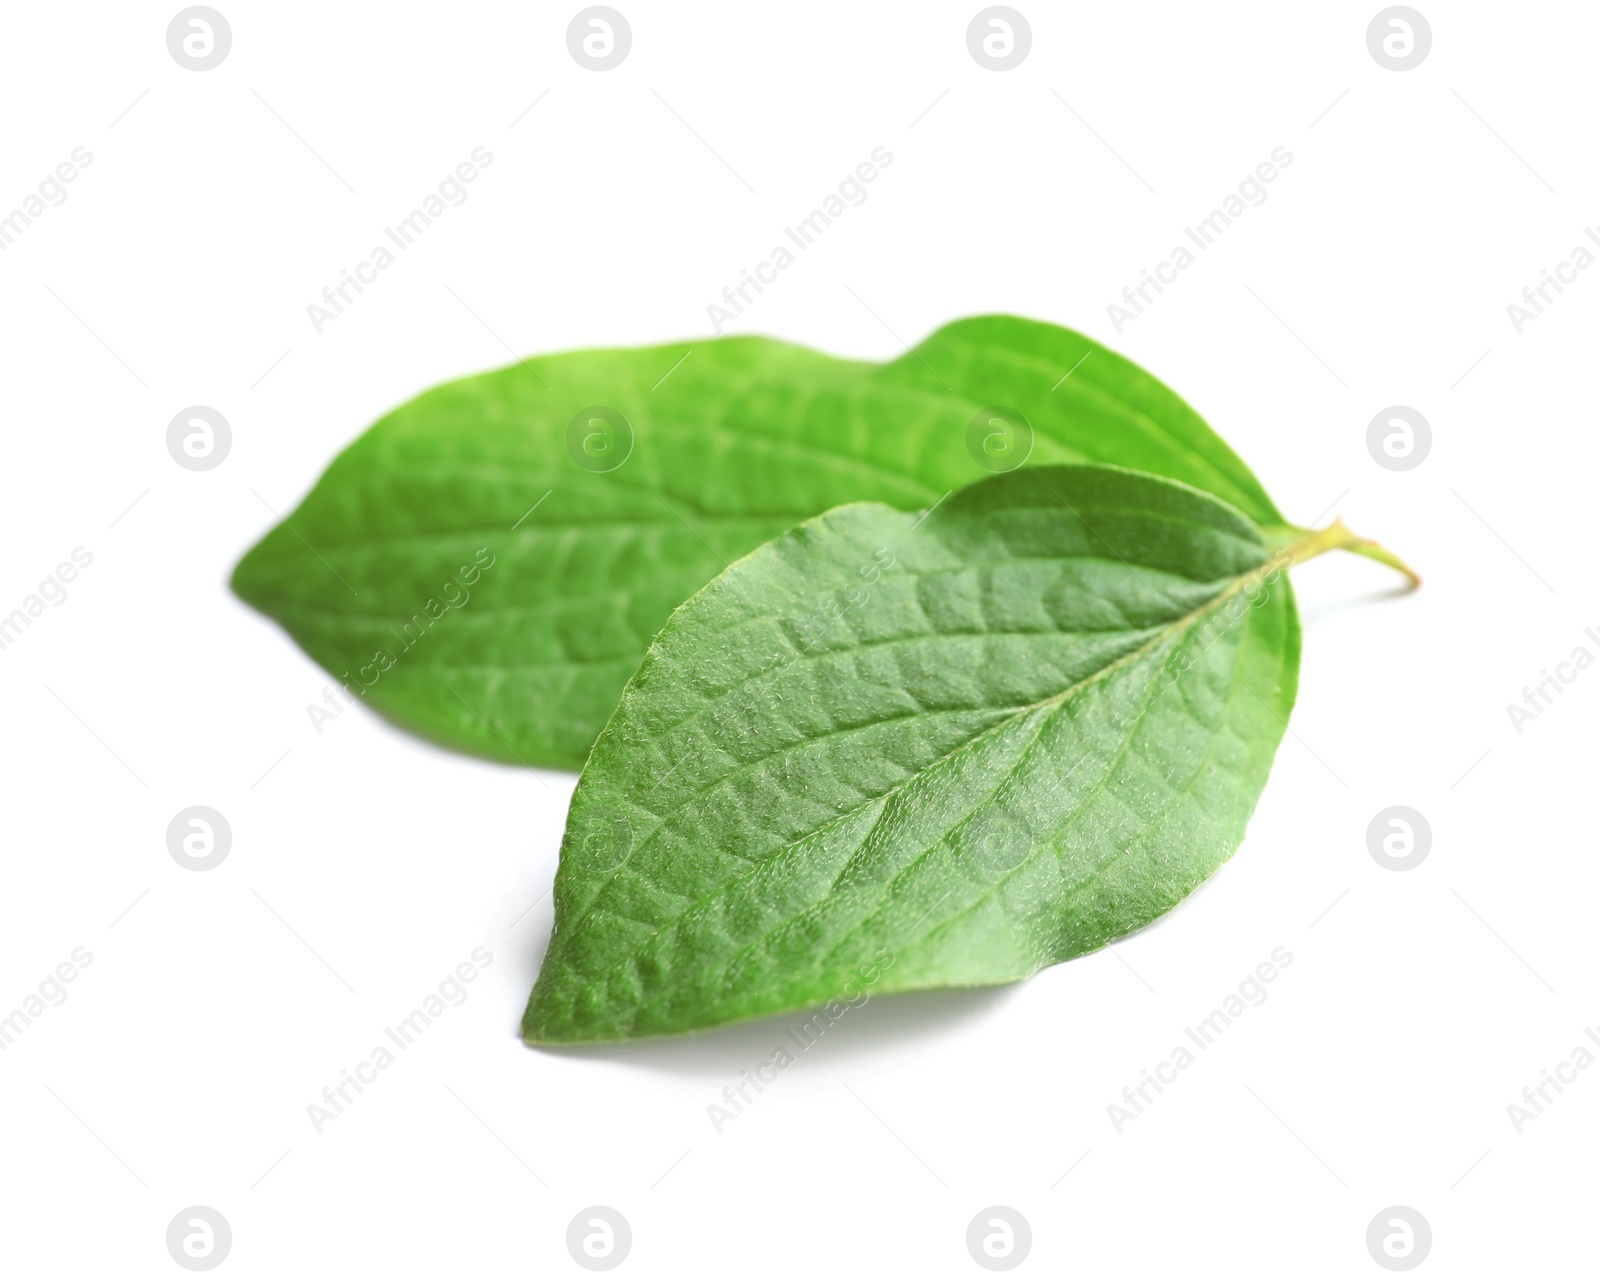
(1307, 544)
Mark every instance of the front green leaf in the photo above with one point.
(905, 751)
(488, 563)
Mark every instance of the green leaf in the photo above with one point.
(897, 752)
(733, 441)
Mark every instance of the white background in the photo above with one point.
(366, 865)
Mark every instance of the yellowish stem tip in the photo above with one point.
(1338, 537)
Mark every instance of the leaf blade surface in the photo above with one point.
(731, 441)
(946, 750)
